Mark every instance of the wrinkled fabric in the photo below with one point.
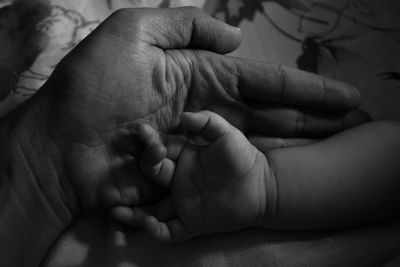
(51, 30)
(355, 41)
(96, 241)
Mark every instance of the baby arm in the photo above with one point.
(350, 178)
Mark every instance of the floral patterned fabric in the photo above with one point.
(356, 41)
(37, 34)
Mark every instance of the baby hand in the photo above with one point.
(213, 188)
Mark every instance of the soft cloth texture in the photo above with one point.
(350, 40)
(95, 241)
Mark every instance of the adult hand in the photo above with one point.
(67, 148)
(151, 64)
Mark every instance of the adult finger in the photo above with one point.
(285, 121)
(262, 81)
(184, 27)
(239, 90)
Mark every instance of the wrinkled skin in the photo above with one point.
(150, 65)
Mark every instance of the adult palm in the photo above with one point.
(151, 64)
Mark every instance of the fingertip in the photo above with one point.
(157, 152)
(149, 224)
(122, 214)
(234, 34)
(238, 31)
(351, 96)
(146, 133)
(151, 159)
(157, 229)
(186, 115)
(143, 129)
(340, 96)
(357, 97)
(186, 120)
(356, 117)
(178, 232)
(162, 151)
(194, 121)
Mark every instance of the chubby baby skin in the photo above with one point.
(224, 183)
(214, 187)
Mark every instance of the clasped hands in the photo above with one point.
(146, 67)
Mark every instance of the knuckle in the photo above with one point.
(122, 12)
(125, 24)
(128, 18)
